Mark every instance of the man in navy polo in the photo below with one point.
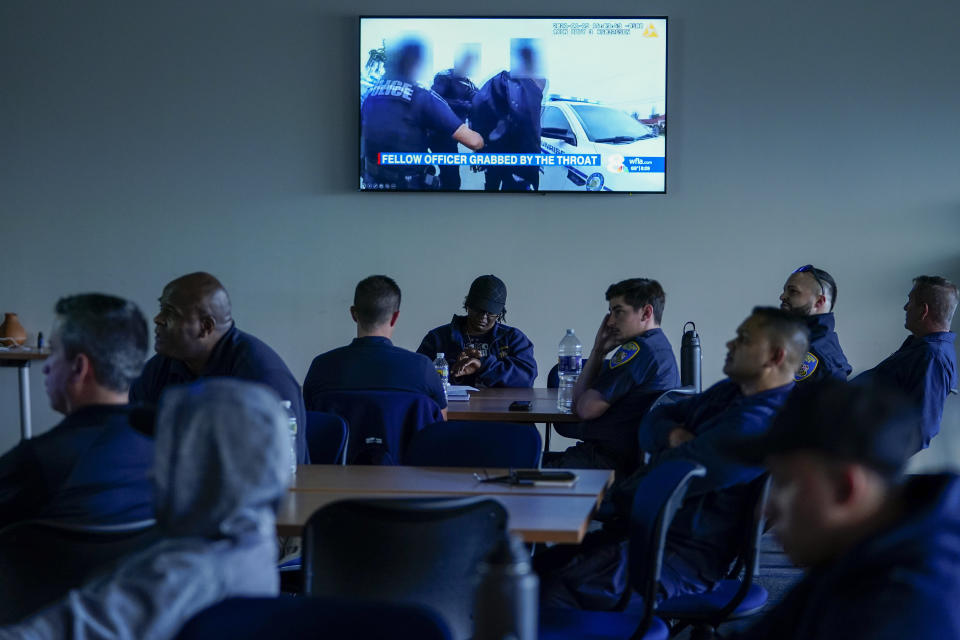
(92, 469)
(480, 350)
(880, 547)
(196, 337)
(703, 539)
(613, 395)
(812, 293)
(371, 362)
(924, 368)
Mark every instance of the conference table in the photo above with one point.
(21, 357)
(536, 513)
(494, 405)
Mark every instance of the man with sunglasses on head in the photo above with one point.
(812, 293)
(482, 351)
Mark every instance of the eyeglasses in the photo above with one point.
(808, 268)
(483, 315)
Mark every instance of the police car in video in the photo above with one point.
(577, 126)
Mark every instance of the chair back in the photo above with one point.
(288, 618)
(40, 562)
(326, 438)
(748, 560)
(475, 444)
(421, 551)
(381, 423)
(553, 376)
(658, 497)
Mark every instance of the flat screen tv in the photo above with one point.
(513, 104)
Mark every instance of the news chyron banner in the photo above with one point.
(513, 104)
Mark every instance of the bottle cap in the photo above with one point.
(286, 404)
(440, 354)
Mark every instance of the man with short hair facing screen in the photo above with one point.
(371, 362)
(91, 470)
(812, 293)
(924, 368)
(881, 548)
(196, 337)
(482, 351)
(703, 539)
(612, 396)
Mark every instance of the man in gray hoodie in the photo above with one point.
(222, 467)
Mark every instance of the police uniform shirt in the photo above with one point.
(372, 363)
(903, 582)
(925, 370)
(825, 360)
(507, 353)
(92, 469)
(236, 355)
(397, 115)
(704, 536)
(639, 371)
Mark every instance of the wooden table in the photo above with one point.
(537, 514)
(492, 405)
(21, 357)
(358, 479)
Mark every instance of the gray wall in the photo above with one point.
(139, 141)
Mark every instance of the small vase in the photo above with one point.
(12, 332)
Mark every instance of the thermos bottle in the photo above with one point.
(506, 600)
(690, 358)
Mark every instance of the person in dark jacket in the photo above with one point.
(196, 337)
(611, 396)
(705, 534)
(482, 351)
(882, 550)
(924, 368)
(812, 293)
(456, 88)
(92, 469)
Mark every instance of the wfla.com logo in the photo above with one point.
(615, 163)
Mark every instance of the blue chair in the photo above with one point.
(381, 423)
(41, 562)
(656, 501)
(475, 444)
(327, 435)
(734, 598)
(296, 618)
(421, 551)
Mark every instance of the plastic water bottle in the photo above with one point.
(292, 424)
(505, 603)
(443, 370)
(569, 363)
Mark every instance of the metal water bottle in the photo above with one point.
(506, 600)
(690, 358)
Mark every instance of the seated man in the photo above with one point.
(90, 470)
(881, 548)
(924, 368)
(371, 362)
(704, 537)
(481, 351)
(812, 293)
(222, 467)
(613, 396)
(196, 337)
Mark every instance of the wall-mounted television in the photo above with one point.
(513, 104)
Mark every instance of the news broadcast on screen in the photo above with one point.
(513, 104)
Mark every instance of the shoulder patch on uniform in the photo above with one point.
(624, 354)
(807, 367)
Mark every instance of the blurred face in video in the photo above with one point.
(467, 60)
(803, 506)
(526, 59)
(407, 57)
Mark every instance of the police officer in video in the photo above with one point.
(397, 116)
(506, 112)
(454, 86)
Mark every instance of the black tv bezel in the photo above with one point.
(666, 97)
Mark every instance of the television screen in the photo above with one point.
(513, 104)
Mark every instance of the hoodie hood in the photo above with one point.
(222, 459)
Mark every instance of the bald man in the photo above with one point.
(196, 337)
